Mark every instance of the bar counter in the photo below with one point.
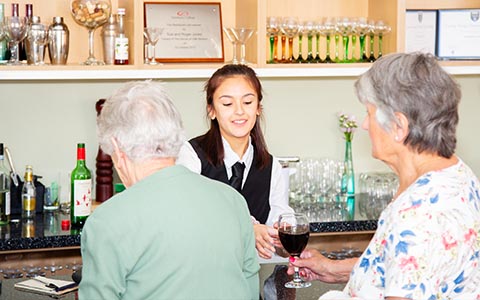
(42, 247)
(45, 232)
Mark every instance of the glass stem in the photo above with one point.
(372, 54)
(327, 57)
(380, 40)
(242, 53)
(296, 276)
(363, 55)
(354, 41)
(345, 48)
(337, 39)
(90, 45)
(272, 45)
(310, 47)
(14, 52)
(284, 48)
(290, 49)
(275, 43)
(234, 59)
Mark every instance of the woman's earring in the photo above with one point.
(396, 138)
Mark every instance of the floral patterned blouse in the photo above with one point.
(427, 244)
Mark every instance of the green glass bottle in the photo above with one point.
(81, 190)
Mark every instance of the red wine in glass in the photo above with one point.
(294, 231)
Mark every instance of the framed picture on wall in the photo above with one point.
(459, 34)
(190, 32)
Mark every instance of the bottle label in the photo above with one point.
(121, 48)
(82, 197)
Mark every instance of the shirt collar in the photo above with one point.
(230, 157)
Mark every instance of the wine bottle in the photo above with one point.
(28, 195)
(4, 190)
(22, 45)
(81, 190)
(121, 40)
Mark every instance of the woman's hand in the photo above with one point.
(314, 266)
(266, 238)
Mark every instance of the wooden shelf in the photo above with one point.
(202, 71)
(247, 13)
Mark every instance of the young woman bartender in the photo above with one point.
(234, 149)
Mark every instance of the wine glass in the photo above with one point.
(344, 28)
(309, 28)
(15, 30)
(328, 29)
(381, 29)
(289, 27)
(231, 37)
(152, 34)
(242, 35)
(90, 14)
(294, 231)
(273, 28)
(362, 28)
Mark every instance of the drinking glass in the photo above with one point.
(152, 34)
(381, 29)
(15, 30)
(362, 28)
(231, 37)
(90, 14)
(310, 30)
(242, 35)
(328, 29)
(273, 28)
(289, 27)
(318, 33)
(344, 29)
(294, 231)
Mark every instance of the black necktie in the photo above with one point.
(237, 175)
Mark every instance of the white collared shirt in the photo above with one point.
(278, 185)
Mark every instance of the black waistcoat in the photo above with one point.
(256, 189)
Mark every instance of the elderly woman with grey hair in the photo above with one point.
(427, 243)
(172, 234)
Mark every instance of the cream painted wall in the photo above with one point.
(43, 120)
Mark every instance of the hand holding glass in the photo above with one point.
(294, 231)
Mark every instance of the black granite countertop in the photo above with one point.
(45, 231)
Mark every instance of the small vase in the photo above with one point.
(348, 181)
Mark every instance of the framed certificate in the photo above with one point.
(192, 32)
(459, 34)
(420, 30)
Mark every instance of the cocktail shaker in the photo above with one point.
(109, 32)
(59, 42)
(35, 42)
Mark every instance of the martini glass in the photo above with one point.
(242, 35)
(152, 34)
(231, 37)
(90, 14)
